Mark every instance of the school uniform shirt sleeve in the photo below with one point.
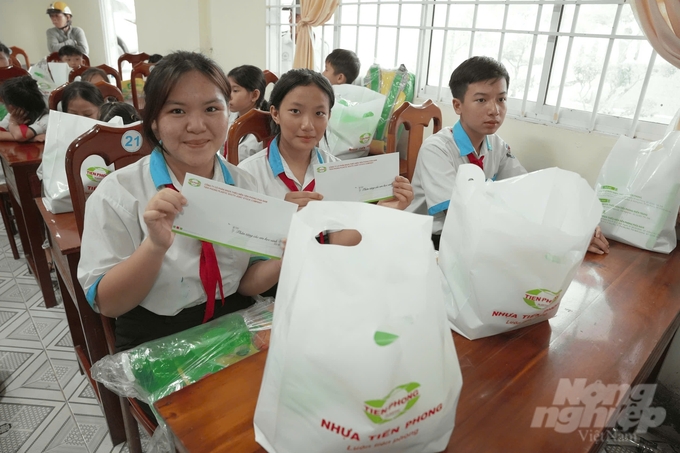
(40, 125)
(510, 165)
(248, 146)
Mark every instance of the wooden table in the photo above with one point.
(614, 323)
(87, 331)
(19, 162)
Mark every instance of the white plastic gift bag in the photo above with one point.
(62, 130)
(638, 186)
(510, 249)
(361, 357)
(354, 119)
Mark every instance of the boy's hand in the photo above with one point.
(598, 244)
(403, 194)
(302, 198)
(159, 216)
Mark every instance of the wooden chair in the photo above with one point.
(55, 97)
(16, 51)
(12, 71)
(54, 58)
(110, 91)
(131, 58)
(105, 142)
(270, 77)
(7, 219)
(415, 119)
(140, 70)
(256, 122)
(104, 67)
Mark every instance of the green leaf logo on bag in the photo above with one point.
(364, 138)
(540, 298)
(395, 404)
(96, 174)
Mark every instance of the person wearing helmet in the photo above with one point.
(63, 33)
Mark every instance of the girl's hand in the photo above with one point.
(302, 198)
(598, 244)
(403, 194)
(159, 216)
(19, 116)
(38, 138)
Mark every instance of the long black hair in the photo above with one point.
(23, 93)
(251, 78)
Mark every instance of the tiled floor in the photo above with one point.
(46, 405)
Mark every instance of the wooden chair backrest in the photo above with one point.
(138, 71)
(55, 97)
(54, 58)
(104, 67)
(106, 142)
(415, 119)
(132, 58)
(270, 77)
(16, 51)
(256, 122)
(110, 91)
(12, 71)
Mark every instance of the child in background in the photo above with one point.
(82, 98)
(94, 75)
(71, 56)
(247, 92)
(126, 111)
(27, 112)
(300, 106)
(5, 59)
(342, 66)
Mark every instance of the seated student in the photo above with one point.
(247, 92)
(133, 267)
(94, 75)
(301, 102)
(72, 56)
(125, 111)
(342, 66)
(83, 99)
(479, 87)
(27, 113)
(5, 58)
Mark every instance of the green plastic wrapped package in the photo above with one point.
(157, 368)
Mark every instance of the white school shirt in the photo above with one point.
(248, 145)
(115, 228)
(438, 160)
(38, 127)
(266, 169)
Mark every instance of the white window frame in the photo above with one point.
(525, 109)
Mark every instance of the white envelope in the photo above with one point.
(245, 220)
(60, 72)
(365, 179)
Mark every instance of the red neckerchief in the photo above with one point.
(478, 161)
(209, 271)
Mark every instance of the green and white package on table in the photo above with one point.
(638, 186)
(157, 368)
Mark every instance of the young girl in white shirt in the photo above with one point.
(133, 267)
(26, 119)
(247, 92)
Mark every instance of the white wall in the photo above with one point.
(23, 23)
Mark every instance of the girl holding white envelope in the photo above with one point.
(300, 105)
(133, 267)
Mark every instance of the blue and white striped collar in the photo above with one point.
(276, 161)
(463, 141)
(161, 175)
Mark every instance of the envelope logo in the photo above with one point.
(395, 404)
(321, 170)
(194, 182)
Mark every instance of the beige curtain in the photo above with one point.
(313, 14)
(660, 21)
